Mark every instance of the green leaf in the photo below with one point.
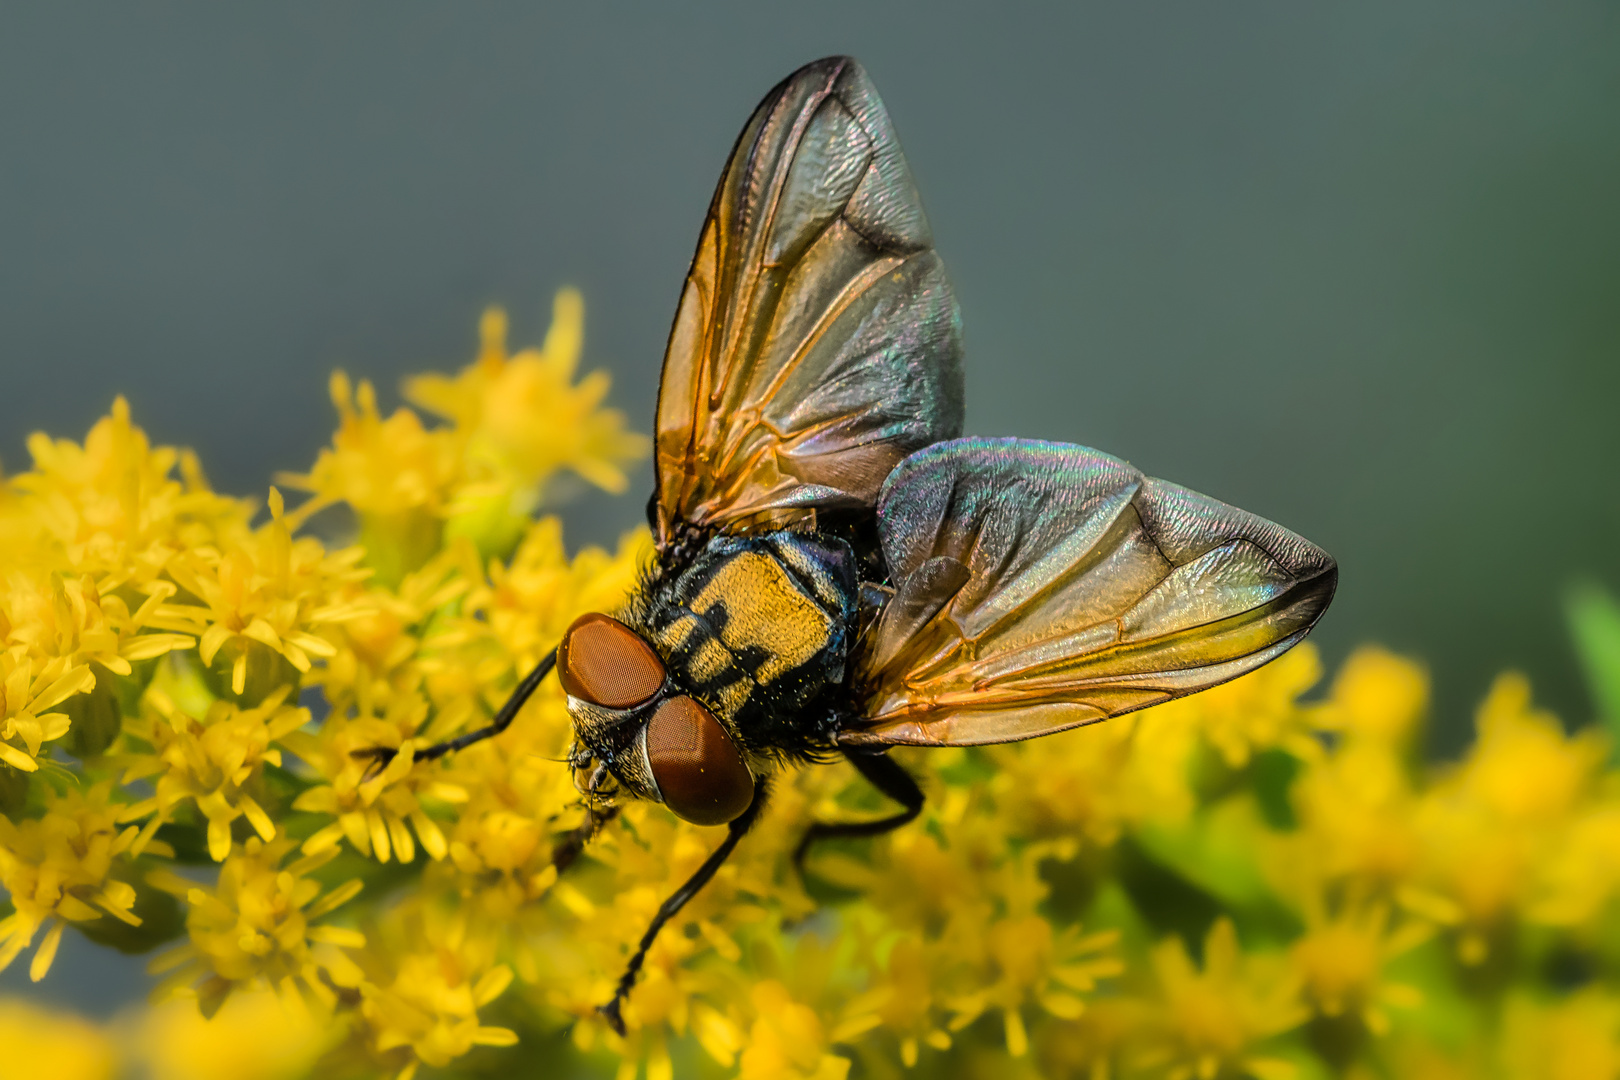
(1594, 623)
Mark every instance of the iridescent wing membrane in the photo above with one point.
(1041, 586)
(817, 342)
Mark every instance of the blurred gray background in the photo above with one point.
(1353, 267)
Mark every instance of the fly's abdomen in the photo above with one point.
(758, 626)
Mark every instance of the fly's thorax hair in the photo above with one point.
(757, 627)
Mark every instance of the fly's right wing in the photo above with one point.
(817, 341)
(1041, 586)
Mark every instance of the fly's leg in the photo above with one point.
(380, 756)
(677, 901)
(572, 844)
(883, 773)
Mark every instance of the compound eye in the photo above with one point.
(603, 661)
(699, 770)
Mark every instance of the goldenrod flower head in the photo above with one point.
(494, 401)
(786, 1040)
(31, 693)
(62, 638)
(1356, 809)
(514, 423)
(264, 596)
(258, 1034)
(380, 467)
(60, 868)
(1341, 960)
(1488, 823)
(373, 809)
(1523, 767)
(1260, 711)
(111, 508)
(1577, 1038)
(1580, 872)
(260, 926)
(43, 1043)
(424, 991)
(1379, 695)
(212, 763)
(1214, 1019)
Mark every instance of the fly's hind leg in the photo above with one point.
(883, 773)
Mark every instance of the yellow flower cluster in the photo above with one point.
(1242, 883)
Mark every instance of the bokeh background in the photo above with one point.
(1353, 267)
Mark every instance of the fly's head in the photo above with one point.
(637, 732)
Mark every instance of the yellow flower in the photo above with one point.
(1577, 1038)
(1095, 1045)
(786, 1040)
(1258, 711)
(911, 1005)
(1485, 825)
(256, 1035)
(111, 509)
(372, 808)
(260, 927)
(262, 597)
(514, 423)
(1523, 767)
(1077, 787)
(212, 762)
(525, 605)
(62, 637)
(396, 475)
(497, 399)
(1211, 1021)
(1378, 695)
(1019, 958)
(60, 869)
(30, 691)
(506, 622)
(376, 663)
(382, 468)
(87, 535)
(424, 991)
(1340, 961)
(503, 836)
(1579, 872)
(1355, 809)
(45, 1045)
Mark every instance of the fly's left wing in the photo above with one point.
(1041, 586)
(817, 341)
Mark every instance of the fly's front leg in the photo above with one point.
(380, 756)
(670, 907)
(883, 773)
(572, 844)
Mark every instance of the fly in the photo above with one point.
(838, 570)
